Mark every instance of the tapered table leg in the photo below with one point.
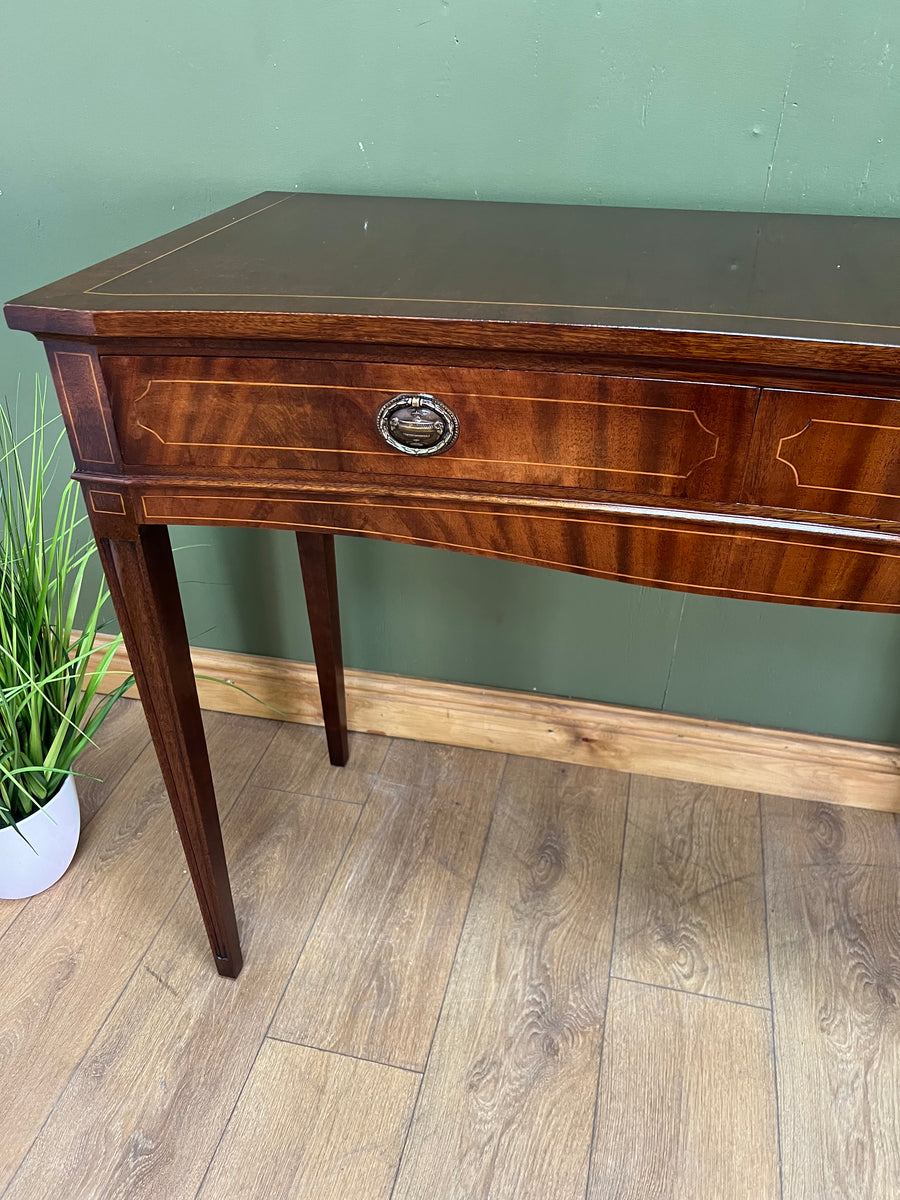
(320, 586)
(144, 589)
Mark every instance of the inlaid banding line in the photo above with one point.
(824, 487)
(110, 503)
(539, 304)
(64, 397)
(438, 300)
(165, 254)
(450, 398)
(502, 462)
(482, 549)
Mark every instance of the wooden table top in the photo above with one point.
(299, 256)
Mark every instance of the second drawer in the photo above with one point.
(826, 453)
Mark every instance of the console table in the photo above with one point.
(693, 400)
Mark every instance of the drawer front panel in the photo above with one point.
(794, 567)
(580, 431)
(827, 453)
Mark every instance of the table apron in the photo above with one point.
(780, 561)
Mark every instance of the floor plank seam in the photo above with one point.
(248, 782)
(97, 1032)
(121, 779)
(762, 852)
(663, 987)
(389, 741)
(262, 1040)
(609, 976)
(376, 1062)
(415, 1107)
(12, 923)
(376, 777)
(279, 725)
(307, 795)
(408, 1130)
(222, 814)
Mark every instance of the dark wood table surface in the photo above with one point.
(702, 401)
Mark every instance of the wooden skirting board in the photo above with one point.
(636, 740)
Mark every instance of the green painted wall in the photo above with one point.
(121, 121)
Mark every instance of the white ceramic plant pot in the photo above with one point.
(31, 863)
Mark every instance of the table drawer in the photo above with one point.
(571, 430)
(826, 453)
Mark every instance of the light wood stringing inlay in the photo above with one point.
(58, 355)
(112, 503)
(95, 290)
(540, 561)
(824, 487)
(674, 312)
(448, 397)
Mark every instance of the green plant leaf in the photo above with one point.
(48, 689)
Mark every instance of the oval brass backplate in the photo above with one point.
(417, 423)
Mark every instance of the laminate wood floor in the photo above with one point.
(467, 976)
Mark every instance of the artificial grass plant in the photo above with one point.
(47, 687)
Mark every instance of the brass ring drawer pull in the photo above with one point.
(417, 423)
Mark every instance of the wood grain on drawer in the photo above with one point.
(826, 453)
(750, 561)
(582, 431)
